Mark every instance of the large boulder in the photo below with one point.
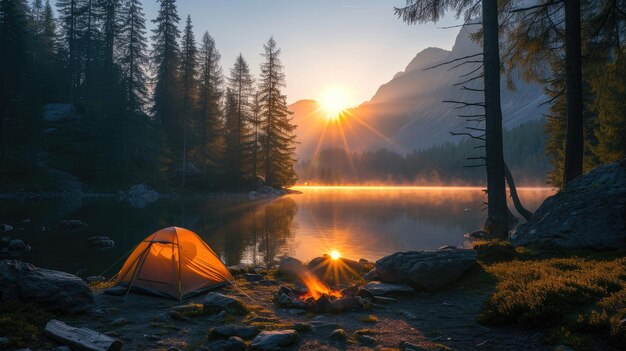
(291, 266)
(589, 212)
(57, 113)
(425, 270)
(53, 290)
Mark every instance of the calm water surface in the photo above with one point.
(360, 222)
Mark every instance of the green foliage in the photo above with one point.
(22, 323)
(575, 294)
(495, 251)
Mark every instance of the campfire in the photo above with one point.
(315, 296)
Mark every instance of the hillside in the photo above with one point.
(407, 113)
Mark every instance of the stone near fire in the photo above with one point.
(271, 340)
(253, 277)
(377, 288)
(53, 290)
(321, 305)
(244, 332)
(426, 270)
(347, 303)
(371, 275)
(216, 302)
(290, 266)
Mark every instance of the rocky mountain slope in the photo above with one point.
(407, 112)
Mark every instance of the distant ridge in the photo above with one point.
(407, 112)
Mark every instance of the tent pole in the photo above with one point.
(138, 268)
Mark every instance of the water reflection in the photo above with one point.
(359, 222)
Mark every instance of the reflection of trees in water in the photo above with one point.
(251, 232)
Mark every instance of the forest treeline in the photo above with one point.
(153, 109)
(444, 164)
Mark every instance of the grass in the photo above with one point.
(368, 319)
(22, 323)
(574, 295)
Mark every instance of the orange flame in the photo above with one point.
(316, 287)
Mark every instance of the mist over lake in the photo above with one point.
(360, 222)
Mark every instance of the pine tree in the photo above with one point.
(134, 58)
(14, 59)
(110, 14)
(49, 29)
(241, 85)
(188, 76)
(133, 62)
(68, 16)
(210, 93)
(610, 107)
(255, 124)
(165, 57)
(279, 136)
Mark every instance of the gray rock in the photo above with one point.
(5, 228)
(233, 343)
(589, 212)
(100, 243)
(426, 270)
(244, 332)
(378, 288)
(447, 247)
(271, 340)
(290, 266)
(140, 195)
(371, 275)
(58, 113)
(12, 248)
(53, 290)
(215, 302)
(4, 342)
(71, 226)
(302, 326)
(348, 303)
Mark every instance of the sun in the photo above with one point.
(335, 255)
(333, 101)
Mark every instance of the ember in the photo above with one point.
(317, 288)
(317, 297)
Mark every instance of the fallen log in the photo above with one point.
(82, 339)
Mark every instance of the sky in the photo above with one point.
(354, 45)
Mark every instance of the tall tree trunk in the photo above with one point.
(497, 222)
(574, 140)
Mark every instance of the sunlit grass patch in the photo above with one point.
(576, 294)
(22, 323)
(368, 319)
(101, 285)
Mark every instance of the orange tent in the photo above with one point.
(173, 262)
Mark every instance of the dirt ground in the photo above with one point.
(434, 321)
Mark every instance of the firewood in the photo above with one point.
(82, 339)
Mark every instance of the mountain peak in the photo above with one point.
(425, 58)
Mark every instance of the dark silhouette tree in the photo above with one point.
(497, 223)
(279, 137)
(210, 94)
(241, 85)
(165, 57)
(188, 77)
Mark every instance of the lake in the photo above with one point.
(360, 222)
